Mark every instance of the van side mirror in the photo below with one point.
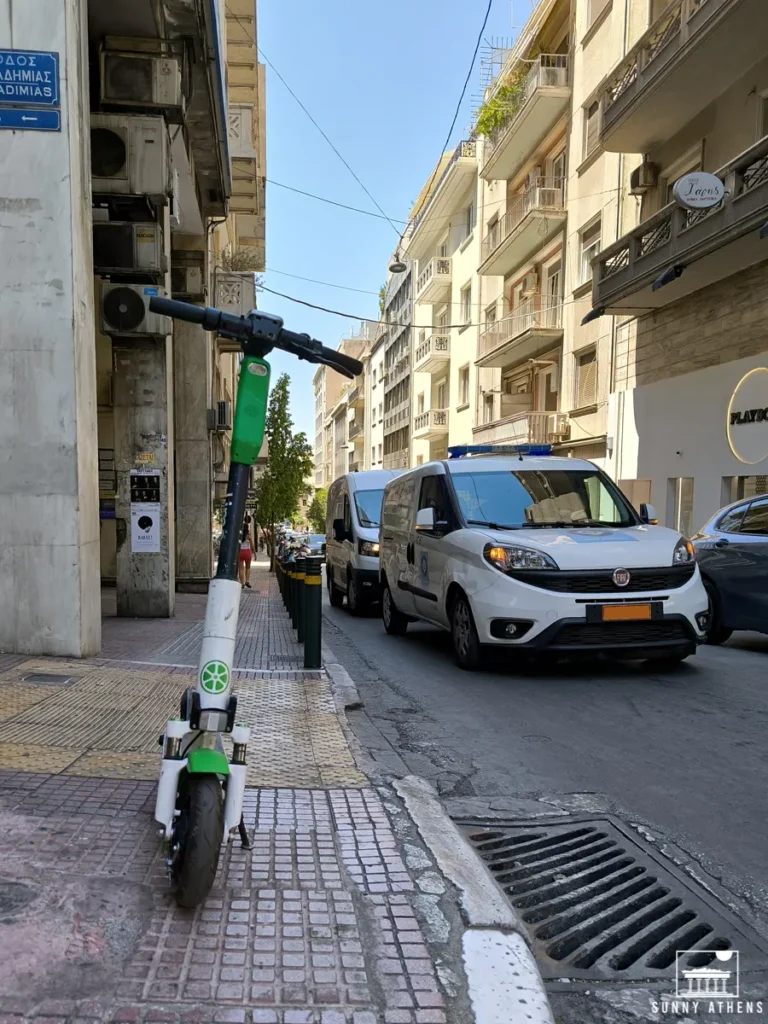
(339, 533)
(425, 519)
(648, 514)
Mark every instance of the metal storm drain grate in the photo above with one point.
(599, 904)
(49, 679)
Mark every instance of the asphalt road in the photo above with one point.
(683, 753)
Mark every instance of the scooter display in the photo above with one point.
(200, 792)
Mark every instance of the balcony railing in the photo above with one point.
(464, 149)
(674, 235)
(399, 372)
(538, 312)
(398, 416)
(396, 460)
(433, 352)
(356, 428)
(544, 194)
(435, 277)
(550, 69)
(520, 428)
(669, 26)
(433, 421)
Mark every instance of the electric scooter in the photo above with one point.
(200, 793)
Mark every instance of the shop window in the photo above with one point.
(680, 504)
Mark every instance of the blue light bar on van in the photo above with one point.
(457, 451)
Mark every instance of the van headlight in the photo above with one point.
(684, 553)
(507, 557)
(368, 547)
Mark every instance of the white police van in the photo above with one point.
(509, 546)
(352, 538)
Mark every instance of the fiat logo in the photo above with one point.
(621, 577)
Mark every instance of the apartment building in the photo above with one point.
(398, 359)
(340, 416)
(374, 401)
(120, 407)
(688, 288)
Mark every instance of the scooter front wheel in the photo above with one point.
(197, 839)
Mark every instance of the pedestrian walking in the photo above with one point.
(246, 554)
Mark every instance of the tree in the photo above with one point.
(317, 510)
(282, 484)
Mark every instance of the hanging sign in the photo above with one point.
(698, 191)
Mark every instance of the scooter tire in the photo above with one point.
(202, 832)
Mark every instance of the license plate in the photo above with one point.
(626, 612)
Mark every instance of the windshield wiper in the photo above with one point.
(557, 524)
(493, 526)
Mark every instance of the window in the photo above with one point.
(373, 454)
(379, 453)
(381, 411)
(586, 378)
(731, 521)
(419, 460)
(554, 291)
(558, 170)
(442, 320)
(680, 504)
(492, 237)
(590, 247)
(490, 315)
(762, 127)
(442, 249)
(470, 219)
(466, 304)
(420, 404)
(368, 504)
(755, 519)
(464, 386)
(596, 8)
(432, 495)
(441, 395)
(591, 128)
(487, 408)
(374, 377)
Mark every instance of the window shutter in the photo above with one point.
(587, 379)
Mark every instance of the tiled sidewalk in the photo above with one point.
(325, 921)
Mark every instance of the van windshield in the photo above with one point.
(541, 498)
(369, 507)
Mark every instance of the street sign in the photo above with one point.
(24, 119)
(29, 77)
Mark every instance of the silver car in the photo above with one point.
(732, 552)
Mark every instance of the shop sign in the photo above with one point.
(698, 191)
(747, 419)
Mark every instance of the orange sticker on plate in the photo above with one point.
(626, 612)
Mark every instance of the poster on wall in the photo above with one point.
(145, 511)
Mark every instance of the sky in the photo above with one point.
(382, 81)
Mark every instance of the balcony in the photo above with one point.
(399, 372)
(690, 55)
(544, 99)
(434, 282)
(710, 244)
(356, 397)
(523, 428)
(450, 186)
(356, 428)
(433, 354)
(398, 416)
(533, 326)
(396, 460)
(355, 467)
(430, 425)
(533, 218)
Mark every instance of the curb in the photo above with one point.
(344, 690)
(505, 986)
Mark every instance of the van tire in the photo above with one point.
(466, 643)
(395, 623)
(355, 604)
(336, 597)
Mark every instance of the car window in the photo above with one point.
(731, 521)
(432, 495)
(347, 514)
(755, 519)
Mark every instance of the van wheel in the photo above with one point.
(395, 622)
(466, 643)
(335, 596)
(355, 605)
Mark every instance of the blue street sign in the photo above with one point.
(27, 120)
(29, 77)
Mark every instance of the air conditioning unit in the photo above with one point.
(558, 427)
(125, 311)
(124, 248)
(135, 79)
(529, 285)
(220, 416)
(129, 155)
(644, 178)
(187, 283)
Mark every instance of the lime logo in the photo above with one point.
(215, 677)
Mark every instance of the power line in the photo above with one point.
(332, 202)
(327, 139)
(327, 284)
(458, 105)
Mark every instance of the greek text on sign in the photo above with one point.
(29, 77)
(698, 191)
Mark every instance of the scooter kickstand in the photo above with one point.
(243, 831)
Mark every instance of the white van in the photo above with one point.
(352, 537)
(535, 552)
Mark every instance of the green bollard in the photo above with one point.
(313, 612)
(300, 588)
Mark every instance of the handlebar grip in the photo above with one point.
(354, 366)
(177, 310)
